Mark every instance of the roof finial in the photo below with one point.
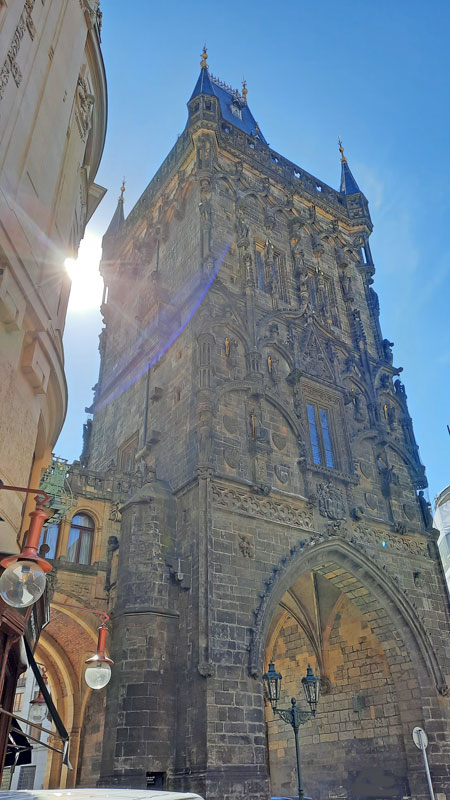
(244, 90)
(203, 63)
(122, 189)
(341, 150)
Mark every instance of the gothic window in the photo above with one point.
(279, 269)
(204, 360)
(81, 537)
(49, 537)
(127, 453)
(320, 434)
(260, 269)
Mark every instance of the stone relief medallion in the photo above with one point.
(231, 456)
(282, 472)
(230, 424)
(279, 441)
(366, 469)
(371, 500)
(409, 511)
(331, 501)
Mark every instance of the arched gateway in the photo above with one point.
(253, 459)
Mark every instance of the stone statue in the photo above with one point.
(387, 350)
(425, 507)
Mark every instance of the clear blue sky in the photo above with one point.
(375, 72)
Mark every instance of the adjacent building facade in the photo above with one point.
(252, 490)
(53, 109)
(52, 131)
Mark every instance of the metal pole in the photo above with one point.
(297, 753)
(425, 761)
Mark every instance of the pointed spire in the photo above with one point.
(348, 183)
(244, 90)
(203, 85)
(118, 216)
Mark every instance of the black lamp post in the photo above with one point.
(295, 717)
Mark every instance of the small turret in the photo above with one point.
(118, 217)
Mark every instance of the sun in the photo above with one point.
(87, 283)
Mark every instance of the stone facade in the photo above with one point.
(250, 404)
(52, 131)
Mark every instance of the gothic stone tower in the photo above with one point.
(246, 387)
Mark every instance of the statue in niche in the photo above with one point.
(242, 227)
(350, 363)
(387, 351)
(400, 389)
(387, 474)
(425, 507)
(347, 291)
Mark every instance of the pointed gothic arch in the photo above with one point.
(376, 581)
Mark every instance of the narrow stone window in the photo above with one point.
(320, 434)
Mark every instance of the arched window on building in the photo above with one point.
(81, 536)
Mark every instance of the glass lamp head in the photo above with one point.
(311, 686)
(22, 583)
(98, 673)
(273, 679)
(38, 710)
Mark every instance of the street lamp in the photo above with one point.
(295, 717)
(23, 581)
(98, 667)
(38, 710)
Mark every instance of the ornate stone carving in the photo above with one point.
(375, 538)
(279, 441)
(84, 104)
(282, 472)
(331, 501)
(253, 505)
(231, 456)
(246, 545)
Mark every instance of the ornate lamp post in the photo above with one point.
(295, 717)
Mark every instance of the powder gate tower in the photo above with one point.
(277, 510)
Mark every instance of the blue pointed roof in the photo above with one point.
(203, 85)
(348, 183)
(233, 106)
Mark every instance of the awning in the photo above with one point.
(18, 749)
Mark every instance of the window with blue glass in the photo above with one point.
(320, 435)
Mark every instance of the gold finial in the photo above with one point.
(341, 150)
(122, 189)
(244, 90)
(203, 63)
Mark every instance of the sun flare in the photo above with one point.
(87, 283)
